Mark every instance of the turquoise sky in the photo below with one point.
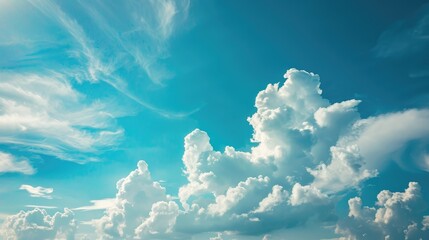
(224, 119)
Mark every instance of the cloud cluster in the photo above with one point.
(38, 224)
(307, 152)
(396, 215)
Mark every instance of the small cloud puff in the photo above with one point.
(37, 192)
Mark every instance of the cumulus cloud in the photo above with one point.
(38, 224)
(161, 220)
(306, 194)
(37, 192)
(141, 208)
(9, 163)
(307, 152)
(371, 144)
(396, 215)
(276, 197)
(234, 195)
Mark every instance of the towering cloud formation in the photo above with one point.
(141, 208)
(307, 152)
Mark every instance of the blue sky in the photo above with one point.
(214, 119)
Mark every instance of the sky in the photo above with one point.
(162, 119)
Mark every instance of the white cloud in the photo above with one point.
(307, 152)
(383, 136)
(217, 237)
(37, 224)
(234, 195)
(161, 220)
(136, 204)
(40, 206)
(45, 114)
(345, 170)
(276, 197)
(306, 195)
(99, 204)
(38, 192)
(136, 33)
(4, 216)
(396, 215)
(211, 171)
(9, 163)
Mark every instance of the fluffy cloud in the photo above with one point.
(37, 224)
(396, 215)
(370, 144)
(306, 194)
(161, 220)
(141, 207)
(276, 197)
(307, 152)
(8, 163)
(234, 195)
(38, 192)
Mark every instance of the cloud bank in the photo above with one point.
(396, 215)
(38, 224)
(307, 153)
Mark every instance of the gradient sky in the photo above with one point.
(254, 119)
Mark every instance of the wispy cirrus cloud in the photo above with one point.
(406, 37)
(100, 204)
(40, 206)
(53, 56)
(407, 41)
(45, 114)
(129, 38)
